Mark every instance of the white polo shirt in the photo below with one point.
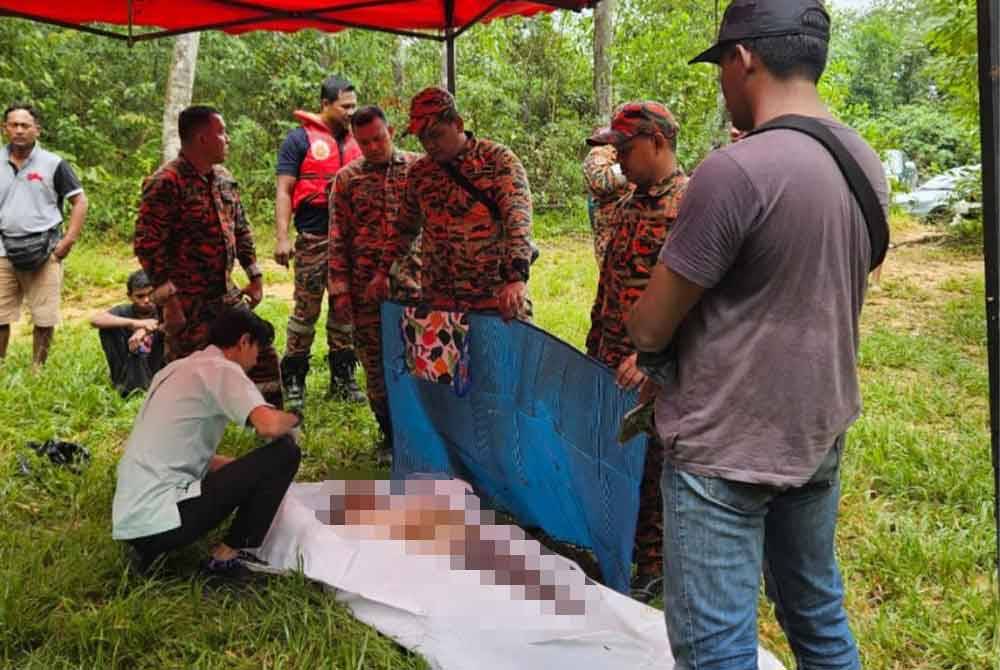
(189, 404)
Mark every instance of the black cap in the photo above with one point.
(746, 19)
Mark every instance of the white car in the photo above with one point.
(938, 195)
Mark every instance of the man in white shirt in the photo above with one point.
(173, 487)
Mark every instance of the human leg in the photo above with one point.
(801, 573)
(713, 543)
(114, 342)
(310, 284)
(649, 527)
(368, 344)
(10, 302)
(41, 341)
(42, 294)
(254, 485)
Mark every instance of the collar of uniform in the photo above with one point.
(186, 166)
(31, 154)
(397, 158)
(666, 185)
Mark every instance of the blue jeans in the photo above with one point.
(720, 535)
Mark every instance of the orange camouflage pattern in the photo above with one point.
(190, 231)
(641, 222)
(468, 257)
(364, 206)
(606, 186)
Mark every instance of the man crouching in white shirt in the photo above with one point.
(172, 486)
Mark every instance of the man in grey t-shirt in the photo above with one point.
(34, 184)
(760, 288)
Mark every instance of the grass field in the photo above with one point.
(916, 539)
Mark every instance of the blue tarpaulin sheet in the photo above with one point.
(535, 435)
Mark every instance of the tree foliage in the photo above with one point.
(903, 73)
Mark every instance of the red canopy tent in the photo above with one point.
(439, 20)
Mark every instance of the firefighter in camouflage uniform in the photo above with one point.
(364, 206)
(645, 137)
(309, 158)
(469, 200)
(190, 230)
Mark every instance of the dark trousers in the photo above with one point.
(130, 370)
(254, 485)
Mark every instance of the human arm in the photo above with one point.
(290, 156)
(283, 218)
(218, 462)
(599, 171)
(77, 215)
(340, 233)
(103, 320)
(407, 226)
(68, 186)
(659, 311)
(247, 255)
(271, 423)
(720, 206)
(514, 202)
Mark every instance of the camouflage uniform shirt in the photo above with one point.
(640, 222)
(191, 229)
(364, 208)
(467, 257)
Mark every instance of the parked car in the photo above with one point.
(942, 197)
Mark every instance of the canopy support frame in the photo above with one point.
(988, 33)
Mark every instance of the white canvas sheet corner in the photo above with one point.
(459, 618)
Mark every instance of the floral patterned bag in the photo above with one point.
(436, 346)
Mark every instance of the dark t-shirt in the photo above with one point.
(307, 219)
(767, 359)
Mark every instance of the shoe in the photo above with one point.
(255, 563)
(230, 570)
(646, 588)
(293, 381)
(343, 385)
(383, 448)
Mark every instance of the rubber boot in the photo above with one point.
(293, 380)
(383, 449)
(343, 385)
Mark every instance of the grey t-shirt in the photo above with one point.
(767, 359)
(178, 429)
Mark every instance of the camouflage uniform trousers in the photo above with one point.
(368, 333)
(199, 313)
(310, 285)
(649, 524)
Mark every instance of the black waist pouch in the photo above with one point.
(27, 253)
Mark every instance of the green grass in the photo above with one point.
(916, 539)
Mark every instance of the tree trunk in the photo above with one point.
(603, 31)
(180, 85)
(398, 61)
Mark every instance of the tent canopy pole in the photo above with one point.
(988, 17)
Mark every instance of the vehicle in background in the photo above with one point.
(948, 197)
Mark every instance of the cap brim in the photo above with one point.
(605, 136)
(713, 54)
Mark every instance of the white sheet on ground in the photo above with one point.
(460, 619)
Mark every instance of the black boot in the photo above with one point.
(293, 381)
(383, 449)
(343, 385)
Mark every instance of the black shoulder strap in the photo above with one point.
(861, 186)
(471, 189)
